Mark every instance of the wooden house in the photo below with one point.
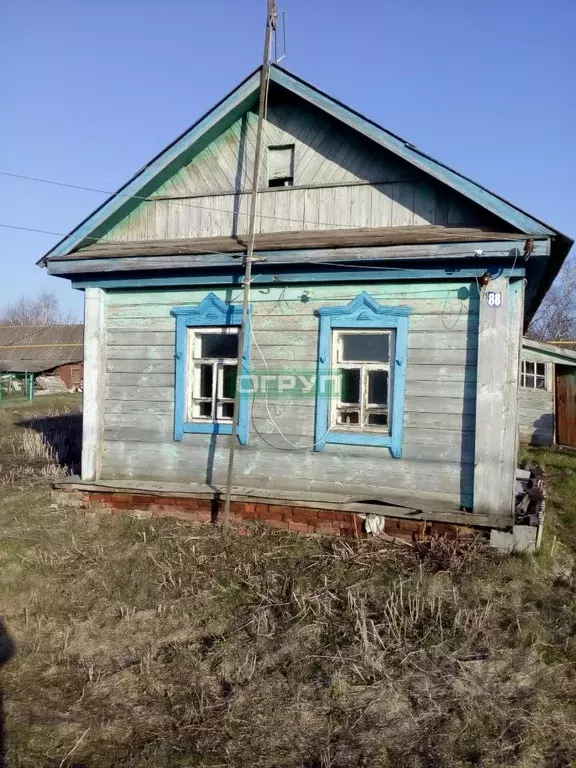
(388, 301)
(547, 395)
(53, 354)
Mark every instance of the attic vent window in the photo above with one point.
(281, 166)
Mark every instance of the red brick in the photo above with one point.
(203, 515)
(250, 508)
(261, 509)
(140, 499)
(278, 516)
(300, 527)
(303, 513)
(250, 514)
(277, 509)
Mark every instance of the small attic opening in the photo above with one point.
(281, 166)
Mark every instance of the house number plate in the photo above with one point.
(494, 299)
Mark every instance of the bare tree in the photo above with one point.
(556, 318)
(42, 310)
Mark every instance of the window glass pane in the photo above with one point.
(228, 381)
(530, 381)
(348, 417)
(206, 380)
(378, 387)
(378, 419)
(227, 410)
(349, 385)
(366, 347)
(528, 367)
(205, 408)
(540, 382)
(219, 345)
(541, 369)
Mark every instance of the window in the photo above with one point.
(533, 375)
(207, 359)
(75, 375)
(362, 375)
(281, 166)
(362, 397)
(212, 369)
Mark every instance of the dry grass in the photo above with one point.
(152, 643)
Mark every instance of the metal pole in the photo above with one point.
(242, 340)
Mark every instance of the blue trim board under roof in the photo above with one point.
(241, 99)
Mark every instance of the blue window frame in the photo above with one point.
(363, 312)
(211, 313)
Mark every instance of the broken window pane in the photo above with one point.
(366, 347)
(540, 382)
(219, 345)
(349, 385)
(227, 410)
(206, 380)
(205, 408)
(229, 381)
(378, 418)
(378, 387)
(348, 417)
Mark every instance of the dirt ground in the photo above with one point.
(157, 643)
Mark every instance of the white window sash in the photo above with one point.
(364, 408)
(193, 378)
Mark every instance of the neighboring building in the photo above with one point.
(53, 352)
(547, 397)
(405, 280)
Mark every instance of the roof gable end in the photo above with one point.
(228, 110)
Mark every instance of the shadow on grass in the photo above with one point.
(62, 434)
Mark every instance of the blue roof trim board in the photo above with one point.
(242, 98)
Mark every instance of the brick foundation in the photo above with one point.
(307, 520)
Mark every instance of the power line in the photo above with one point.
(172, 201)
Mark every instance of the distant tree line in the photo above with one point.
(44, 309)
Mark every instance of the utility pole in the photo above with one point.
(249, 257)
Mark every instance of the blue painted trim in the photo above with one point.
(313, 275)
(211, 311)
(236, 99)
(362, 312)
(465, 186)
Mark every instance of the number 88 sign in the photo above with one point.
(494, 299)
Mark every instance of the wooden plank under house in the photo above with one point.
(380, 366)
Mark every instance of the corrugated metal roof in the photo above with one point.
(37, 348)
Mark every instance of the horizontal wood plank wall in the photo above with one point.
(440, 402)
(340, 180)
(536, 418)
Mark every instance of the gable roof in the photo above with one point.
(35, 348)
(245, 96)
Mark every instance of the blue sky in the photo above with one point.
(91, 89)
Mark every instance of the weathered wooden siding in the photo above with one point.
(340, 180)
(438, 455)
(536, 416)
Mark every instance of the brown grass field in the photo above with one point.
(152, 643)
